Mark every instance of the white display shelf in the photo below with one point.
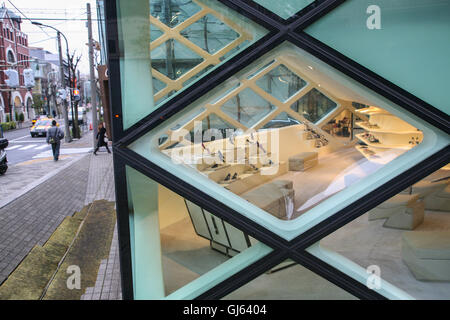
(368, 153)
(381, 130)
(371, 110)
(383, 146)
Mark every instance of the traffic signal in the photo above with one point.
(76, 95)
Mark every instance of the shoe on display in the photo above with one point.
(234, 176)
(221, 156)
(227, 178)
(215, 165)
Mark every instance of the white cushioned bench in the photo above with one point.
(273, 197)
(403, 211)
(427, 254)
(303, 161)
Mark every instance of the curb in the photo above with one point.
(39, 181)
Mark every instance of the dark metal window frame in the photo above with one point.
(280, 30)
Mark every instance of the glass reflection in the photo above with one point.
(284, 157)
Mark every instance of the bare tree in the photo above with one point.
(74, 59)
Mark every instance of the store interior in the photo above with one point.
(286, 137)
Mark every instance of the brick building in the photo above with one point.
(13, 52)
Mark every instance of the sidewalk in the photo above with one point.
(31, 218)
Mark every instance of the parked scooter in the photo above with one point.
(3, 161)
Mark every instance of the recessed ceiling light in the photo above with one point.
(311, 67)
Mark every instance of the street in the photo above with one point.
(22, 147)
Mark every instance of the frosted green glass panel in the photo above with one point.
(190, 38)
(136, 85)
(286, 8)
(176, 243)
(411, 49)
(167, 45)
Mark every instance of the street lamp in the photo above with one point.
(66, 118)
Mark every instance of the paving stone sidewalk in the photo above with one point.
(33, 217)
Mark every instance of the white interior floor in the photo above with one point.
(186, 256)
(369, 243)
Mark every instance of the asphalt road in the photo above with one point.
(22, 147)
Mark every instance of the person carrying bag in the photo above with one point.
(54, 137)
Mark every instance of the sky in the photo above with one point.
(55, 13)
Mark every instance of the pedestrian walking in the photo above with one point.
(101, 139)
(54, 137)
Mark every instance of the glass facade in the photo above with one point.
(404, 241)
(293, 149)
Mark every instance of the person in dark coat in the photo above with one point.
(101, 139)
(54, 137)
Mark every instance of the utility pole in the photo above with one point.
(64, 107)
(92, 76)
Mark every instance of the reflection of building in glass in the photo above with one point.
(188, 38)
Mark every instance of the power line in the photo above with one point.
(34, 42)
(27, 18)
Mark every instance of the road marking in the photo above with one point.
(31, 141)
(14, 147)
(20, 138)
(42, 147)
(28, 147)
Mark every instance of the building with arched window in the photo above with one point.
(14, 54)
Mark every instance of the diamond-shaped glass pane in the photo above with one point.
(210, 33)
(404, 240)
(280, 121)
(175, 241)
(291, 172)
(173, 12)
(281, 82)
(155, 33)
(198, 75)
(401, 43)
(212, 127)
(314, 105)
(174, 59)
(289, 281)
(236, 49)
(158, 85)
(247, 107)
(286, 8)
